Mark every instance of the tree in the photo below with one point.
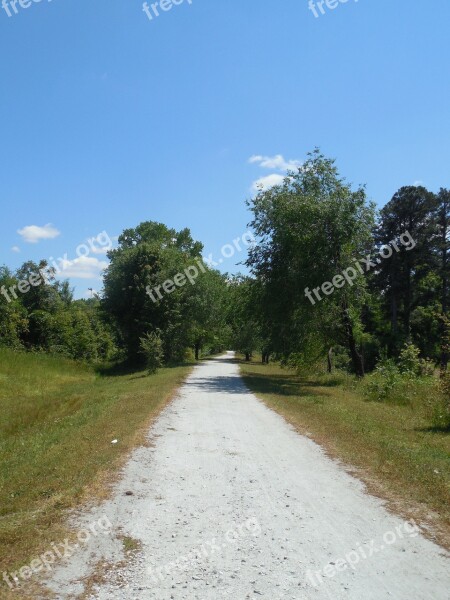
(146, 257)
(188, 315)
(243, 316)
(399, 278)
(309, 229)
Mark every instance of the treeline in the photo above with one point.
(333, 280)
(141, 317)
(330, 280)
(46, 318)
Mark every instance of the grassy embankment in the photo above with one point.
(391, 447)
(58, 419)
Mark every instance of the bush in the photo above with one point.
(408, 382)
(409, 361)
(381, 385)
(152, 349)
(427, 368)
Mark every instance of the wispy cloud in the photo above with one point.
(34, 233)
(15, 249)
(276, 163)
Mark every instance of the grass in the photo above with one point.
(58, 419)
(391, 447)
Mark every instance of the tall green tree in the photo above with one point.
(146, 257)
(404, 279)
(309, 229)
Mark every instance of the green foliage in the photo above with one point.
(189, 316)
(401, 382)
(409, 360)
(383, 385)
(47, 319)
(146, 257)
(411, 364)
(13, 315)
(412, 285)
(242, 316)
(152, 349)
(309, 229)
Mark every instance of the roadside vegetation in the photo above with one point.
(59, 419)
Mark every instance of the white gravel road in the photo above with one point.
(230, 502)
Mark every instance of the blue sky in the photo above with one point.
(109, 119)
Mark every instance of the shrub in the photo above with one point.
(151, 347)
(379, 386)
(409, 362)
(426, 367)
(408, 382)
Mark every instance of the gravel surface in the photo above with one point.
(230, 502)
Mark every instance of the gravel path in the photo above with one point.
(230, 502)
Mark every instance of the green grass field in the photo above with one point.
(58, 419)
(391, 447)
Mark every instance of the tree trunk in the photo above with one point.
(394, 318)
(247, 356)
(356, 357)
(197, 351)
(330, 361)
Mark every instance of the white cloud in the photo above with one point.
(264, 183)
(84, 267)
(15, 249)
(277, 162)
(33, 233)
